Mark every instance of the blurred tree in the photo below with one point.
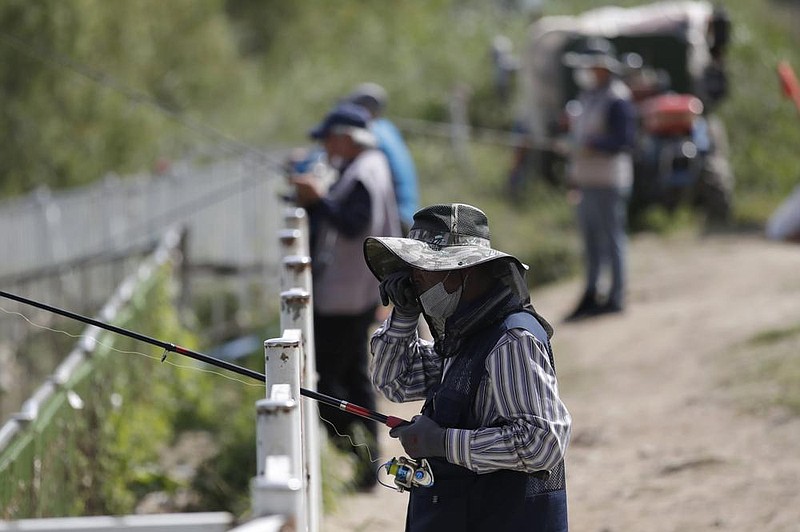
(79, 80)
(259, 22)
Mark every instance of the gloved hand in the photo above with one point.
(397, 289)
(422, 438)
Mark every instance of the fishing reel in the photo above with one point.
(409, 473)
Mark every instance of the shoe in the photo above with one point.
(587, 307)
(609, 308)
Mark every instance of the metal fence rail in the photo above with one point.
(197, 522)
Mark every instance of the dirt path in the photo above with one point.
(658, 443)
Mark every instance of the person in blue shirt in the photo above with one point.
(372, 97)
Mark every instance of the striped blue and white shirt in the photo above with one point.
(524, 424)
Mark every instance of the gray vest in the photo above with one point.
(591, 168)
(343, 283)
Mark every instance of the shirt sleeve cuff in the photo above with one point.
(401, 324)
(456, 447)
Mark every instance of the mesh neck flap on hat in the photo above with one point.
(454, 224)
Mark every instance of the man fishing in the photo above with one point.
(493, 427)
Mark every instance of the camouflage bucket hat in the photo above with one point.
(443, 237)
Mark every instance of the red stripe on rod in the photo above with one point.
(392, 422)
(363, 412)
(352, 409)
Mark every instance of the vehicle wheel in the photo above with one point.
(714, 192)
(645, 192)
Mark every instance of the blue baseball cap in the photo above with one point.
(349, 119)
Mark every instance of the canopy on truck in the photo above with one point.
(672, 36)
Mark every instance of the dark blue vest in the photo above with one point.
(501, 501)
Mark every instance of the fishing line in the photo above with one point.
(124, 352)
(348, 437)
(341, 404)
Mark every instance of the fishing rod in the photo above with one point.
(350, 408)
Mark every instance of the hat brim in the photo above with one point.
(360, 135)
(386, 255)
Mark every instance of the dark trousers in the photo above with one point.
(340, 343)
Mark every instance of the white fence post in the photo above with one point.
(296, 313)
(296, 272)
(290, 241)
(278, 487)
(295, 218)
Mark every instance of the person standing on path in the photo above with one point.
(493, 426)
(603, 132)
(373, 98)
(359, 203)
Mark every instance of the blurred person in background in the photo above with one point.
(360, 202)
(603, 132)
(784, 223)
(373, 98)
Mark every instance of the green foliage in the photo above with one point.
(764, 373)
(773, 336)
(223, 481)
(80, 80)
(660, 220)
(132, 403)
(763, 126)
(102, 458)
(334, 476)
(196, 58)
(419, 51)
(260, 23)
(193, 396)
(82, 455)
(537, 226)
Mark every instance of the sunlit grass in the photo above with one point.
(764, 372)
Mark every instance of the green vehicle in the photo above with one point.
(674, 55)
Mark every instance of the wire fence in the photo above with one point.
(231, 203)
(72, 248)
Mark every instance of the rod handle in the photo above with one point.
(392, 422)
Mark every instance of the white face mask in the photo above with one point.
(336, 161)
(438, 303)
(585, 78)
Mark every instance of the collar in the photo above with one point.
(478, 314)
